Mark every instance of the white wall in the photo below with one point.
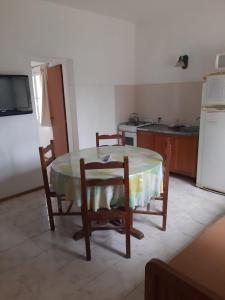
(196, 29)
(102, 50)
(96, 113)
(125, 102)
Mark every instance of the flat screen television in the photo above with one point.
(15, 96)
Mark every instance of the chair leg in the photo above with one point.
(128, 223)
(50, 215)
(128, 243)
(87, 229)
(69, 207)
(164, 222)
(59, 204)
(87, 243)
(164, 214)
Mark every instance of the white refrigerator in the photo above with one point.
(211, 153)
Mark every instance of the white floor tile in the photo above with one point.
(36, 263)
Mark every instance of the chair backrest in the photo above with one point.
(119, 137)
(47, 155)
(166, 164)
(85, 183)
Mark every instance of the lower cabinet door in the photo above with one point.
(185, 155)
(160, 141)
(146, 140)
(184, 150)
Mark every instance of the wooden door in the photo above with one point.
(57, 109)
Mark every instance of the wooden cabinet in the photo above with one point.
(184, 150)
(146, 139)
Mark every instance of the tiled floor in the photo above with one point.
(38, 264)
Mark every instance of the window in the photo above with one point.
(37, 85)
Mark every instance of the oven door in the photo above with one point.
(131, 138)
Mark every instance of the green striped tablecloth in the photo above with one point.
(145, 169)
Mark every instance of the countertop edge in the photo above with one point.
(170, 132)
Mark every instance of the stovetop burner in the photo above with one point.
(134, 123)
(132, 126)
(138, 123)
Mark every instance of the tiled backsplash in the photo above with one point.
(173, 102)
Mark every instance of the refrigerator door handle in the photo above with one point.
(213, 110)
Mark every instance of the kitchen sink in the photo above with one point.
(170, 129)
(183, 128)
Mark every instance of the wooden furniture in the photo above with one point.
(164, 283)
(196, 273)
(166, 154)
(145, 165)
(119, 137)
(47, 156)
(88, 215)
(184, 150)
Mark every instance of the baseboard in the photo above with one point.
(22, 193)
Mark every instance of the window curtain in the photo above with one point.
(45, 114)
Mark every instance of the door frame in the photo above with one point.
(69, 97)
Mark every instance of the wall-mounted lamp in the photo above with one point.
(182, 62)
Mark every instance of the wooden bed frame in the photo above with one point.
(162, 282)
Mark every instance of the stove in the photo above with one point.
(130, 130)
(132, 126)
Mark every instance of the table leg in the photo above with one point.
(137, 233)
(78, 235)
(134, 231)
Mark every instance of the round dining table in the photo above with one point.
(145, 176)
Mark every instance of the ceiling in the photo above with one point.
(137, 11)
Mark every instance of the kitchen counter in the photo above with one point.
(184, 145)
(175, 130)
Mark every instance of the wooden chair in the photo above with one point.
(163, 282)
(164, 196)
(124, 213)
(119, 137)
(47, 155)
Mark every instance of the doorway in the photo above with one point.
(50, 108)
